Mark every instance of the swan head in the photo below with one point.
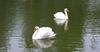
(36, 28)
(66, 10)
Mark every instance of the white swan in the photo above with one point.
(62, 18)
(43, 32)
(61, 15)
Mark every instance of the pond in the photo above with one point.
(19, 17)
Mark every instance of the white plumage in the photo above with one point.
(61, 15)
(43, 32)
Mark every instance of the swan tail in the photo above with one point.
(52, 35)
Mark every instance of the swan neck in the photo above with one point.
(35, 33)
(65, 12)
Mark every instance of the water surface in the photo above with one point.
(19, 17)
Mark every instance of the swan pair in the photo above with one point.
(46, 32)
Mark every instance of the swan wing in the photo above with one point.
(60, 15)
(48, 32)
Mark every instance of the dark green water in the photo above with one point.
(19, 17)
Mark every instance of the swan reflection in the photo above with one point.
(44, 43)
(61, 22)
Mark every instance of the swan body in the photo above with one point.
(61, 15)
(43, 32)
